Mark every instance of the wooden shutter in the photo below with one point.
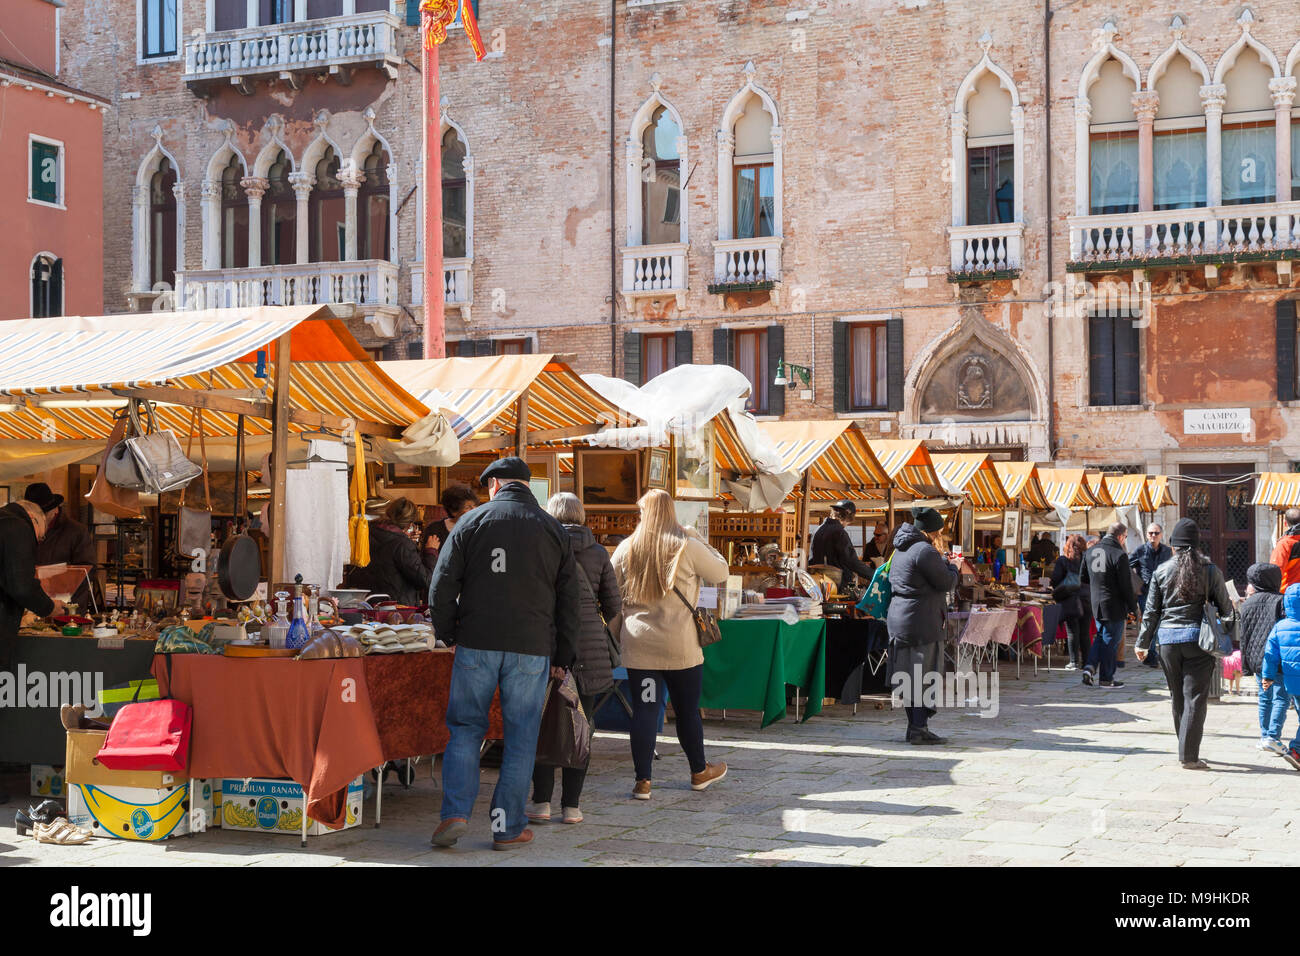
(684, 348)
(1101, 360)
(840, 364)
(723, 352)
(530, 345)
(1128, 369)
(390, 352)
(415, 350)
(632, 357)
(896, 370)
(1286, 351)
(412, 13)
(775, 351)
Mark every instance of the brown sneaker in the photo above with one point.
(712, 773)
(524, 838)
(642, 790)
(449, 831)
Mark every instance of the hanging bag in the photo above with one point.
(149, 735)
(194, 527)
(120, 468)
(706, 625)
(1216, 634)
(158, 457)
(564, 739)
(104, 495)
(875, 603)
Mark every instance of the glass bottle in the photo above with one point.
(277, 632)
(298, 634)
(314, 627)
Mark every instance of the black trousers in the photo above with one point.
(1076, 629)
(647, 689)
(573, 777)
(1188, 672)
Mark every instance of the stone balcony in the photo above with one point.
(747, 265)
(457, 285)
(1206, 236)
(655, 272)
(977, 253)
(368, 284)
(293, 51)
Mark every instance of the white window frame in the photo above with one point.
(33, 138)
(140, 58)
(31, 292)
(853, 322)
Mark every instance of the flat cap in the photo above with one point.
(505, 468)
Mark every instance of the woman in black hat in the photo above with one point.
(1175, 606)
(920, 580)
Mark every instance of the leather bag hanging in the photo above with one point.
(1216, 634)
(564, 737)
(161, 464)
(706, 625)
(120, 468)
(107, 497)
(193, 526)
(149, 735)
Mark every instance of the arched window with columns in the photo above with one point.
(232, 236)
(751, 205)
(1171, 105)
(455, 197)
(1248, 140)
(375, 204)
(1284, 99)
(162, 227)
(656, 169)
(279, 213)
(327, 232)
(158, 221)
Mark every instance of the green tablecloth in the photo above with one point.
(749, 668)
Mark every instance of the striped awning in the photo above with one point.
(1066, 488)
(833, 453)
(215, 349)
(479, 395)
(1279, 490)
(1095, 482)
(1125, 491)
(1156, 493)
(973, 476)
(1020, 480)
(907, 463)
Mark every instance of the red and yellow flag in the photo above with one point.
(438, 15)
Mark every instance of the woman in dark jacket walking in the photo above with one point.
(1066, 585)
(920, 580)
(1175, 606)
(1257, 615)
(395, 567)
(600, 602)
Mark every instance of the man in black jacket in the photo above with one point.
(831, 545)
(1152, 553)
(1106, 574)
(505, 592)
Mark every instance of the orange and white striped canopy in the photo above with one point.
(832, 452)
(1095, 482)
(973, 476)
(56, 374)
(1275, 489)
(1125, 491)
(1020, 479)
(908, 464)
(1156, 493)
(1066, 488)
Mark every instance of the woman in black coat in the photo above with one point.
(1069, 598)
(395, 567)
(597, 652)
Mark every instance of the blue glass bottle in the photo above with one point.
(298, 633)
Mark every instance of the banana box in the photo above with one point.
(276, 806)
(141, 813)
(48, 781)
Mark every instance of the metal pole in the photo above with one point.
(434, 318)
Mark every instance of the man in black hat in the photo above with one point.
(505, 592)
(66, 541)
(832, 545)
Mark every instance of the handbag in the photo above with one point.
(564, 738)
(706, 625)
(149, 735)
(1068, 587)
(161, 464)
(1215, 637)
(875, 602)
(107, 497)
(194, 527)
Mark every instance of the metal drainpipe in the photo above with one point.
(613, 245)
(1047, 163)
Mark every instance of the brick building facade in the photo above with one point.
(962, 222)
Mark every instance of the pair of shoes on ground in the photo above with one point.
(453, 828)
(47, 824)
(1195, 765)
(1272, 745)
(1089, 676)
(925, 736)
(541, 813)
(711, 774)
(1072, 666)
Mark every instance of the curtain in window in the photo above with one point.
(745, 204)
(160, 27)
(1249, 161)
(767, 202)
(1114, 173)
(1295, 159)
(751, 358)
(1179, 169)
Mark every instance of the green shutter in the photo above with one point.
(1286, 351)
(632, 357)
(1101, 360)
(684, 348)
(897, 366)
(775, 352)
(1128, 371)
(840, 364)
(45, 172)
(722, 351)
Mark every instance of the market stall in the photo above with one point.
(750, 667)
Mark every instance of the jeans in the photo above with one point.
(573, 777)
(647, 689)
(1188, 672)
(475, 676)
(1104, 648)
(1273, 705)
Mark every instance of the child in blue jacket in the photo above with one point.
(1282, 660)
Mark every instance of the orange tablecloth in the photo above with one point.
(408, 695)
(310, 721)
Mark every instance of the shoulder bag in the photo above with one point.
(159, 461)
(875, 603)
(706, 625)
(1215, 637)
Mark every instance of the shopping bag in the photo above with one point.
(114, 698)
(564, 739)
(149, 735)
(159, 461)
(876, 601)
(104, 495)
(194, 526)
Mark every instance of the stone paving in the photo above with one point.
(1063, 775)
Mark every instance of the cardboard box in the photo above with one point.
(82, 766)
(276, 806)
(141, 813)
(48, 781)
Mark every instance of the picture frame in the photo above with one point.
(407, 476)
(694, 474)
(967, 529)
(541, 489)
(658, 469)
(5, 495)
(1011, 521)
(607, 479)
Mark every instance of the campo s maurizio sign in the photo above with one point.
(1216, 421)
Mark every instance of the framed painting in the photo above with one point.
(607, 478)
(658, 469)
(694, 476)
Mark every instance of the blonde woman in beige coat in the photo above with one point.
(660, 568)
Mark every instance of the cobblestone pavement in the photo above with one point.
(1064, 774)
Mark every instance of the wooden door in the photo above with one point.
(1224, 515)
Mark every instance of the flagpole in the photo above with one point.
(434, 311)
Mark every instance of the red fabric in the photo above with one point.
(409, 694)
(1029, 628)
(153, 735)
(310, 721)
